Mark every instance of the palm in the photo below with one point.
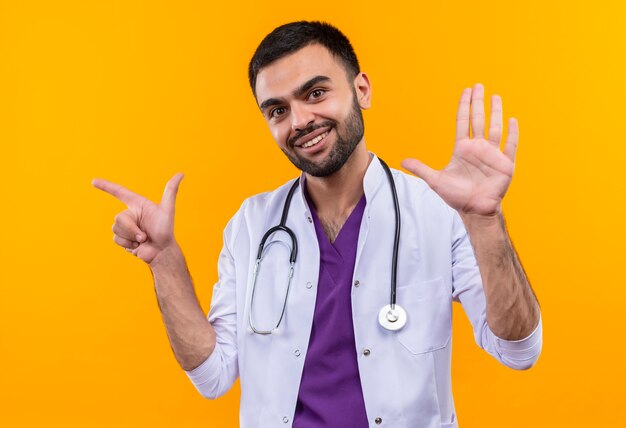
(476, 178)
(478, 175)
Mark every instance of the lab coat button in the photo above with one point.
(357, 283)
(366, 352)
(378, 421)
(285, 419)
(310, 219)
(309, 285)
(297, 352)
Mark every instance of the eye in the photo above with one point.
(278, 111)
(317, 93)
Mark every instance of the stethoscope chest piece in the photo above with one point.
(392, 319)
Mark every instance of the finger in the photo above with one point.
(126, 226)
(120, 192)
(478, 111)
(463, 115)
(510, 148)
(420, 169)
(495, 123)
(168, 201)
(123, 242)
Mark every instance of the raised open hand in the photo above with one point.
(145, 228)
(479, 174)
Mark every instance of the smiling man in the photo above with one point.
(323, 102)
(318, 124)
(335, 291)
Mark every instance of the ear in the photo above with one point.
(363, 90)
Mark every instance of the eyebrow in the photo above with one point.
(298, 92)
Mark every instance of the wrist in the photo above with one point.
(480, 223)
(483, 219)
(167, 258)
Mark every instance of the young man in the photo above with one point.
(305, 330)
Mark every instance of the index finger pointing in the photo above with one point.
(120, 192)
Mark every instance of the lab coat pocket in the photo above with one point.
(428, 305)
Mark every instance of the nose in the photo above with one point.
(301, 117)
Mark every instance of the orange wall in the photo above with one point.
(136, 91)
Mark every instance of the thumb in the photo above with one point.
(168, 201)
(420, 169)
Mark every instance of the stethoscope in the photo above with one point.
(391, 317)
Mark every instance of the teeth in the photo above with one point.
(315, 140)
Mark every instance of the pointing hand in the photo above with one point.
(145, 228)
(479, 173)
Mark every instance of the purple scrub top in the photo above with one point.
(330, 389)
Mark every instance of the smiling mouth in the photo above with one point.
(314, 141)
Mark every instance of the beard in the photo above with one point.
(347, 140)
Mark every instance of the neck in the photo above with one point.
(339, 193)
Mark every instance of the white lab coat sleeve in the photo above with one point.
(215, 376)
(468, 289)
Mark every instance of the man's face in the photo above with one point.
(311, 109)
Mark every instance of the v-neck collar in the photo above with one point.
(339, 247)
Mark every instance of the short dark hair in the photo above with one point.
(293, 36)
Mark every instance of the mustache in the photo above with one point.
(292, 141)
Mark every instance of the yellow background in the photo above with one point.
(137, 91)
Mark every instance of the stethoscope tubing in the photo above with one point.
(292, 259)
(391, 317)
(396, 241)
